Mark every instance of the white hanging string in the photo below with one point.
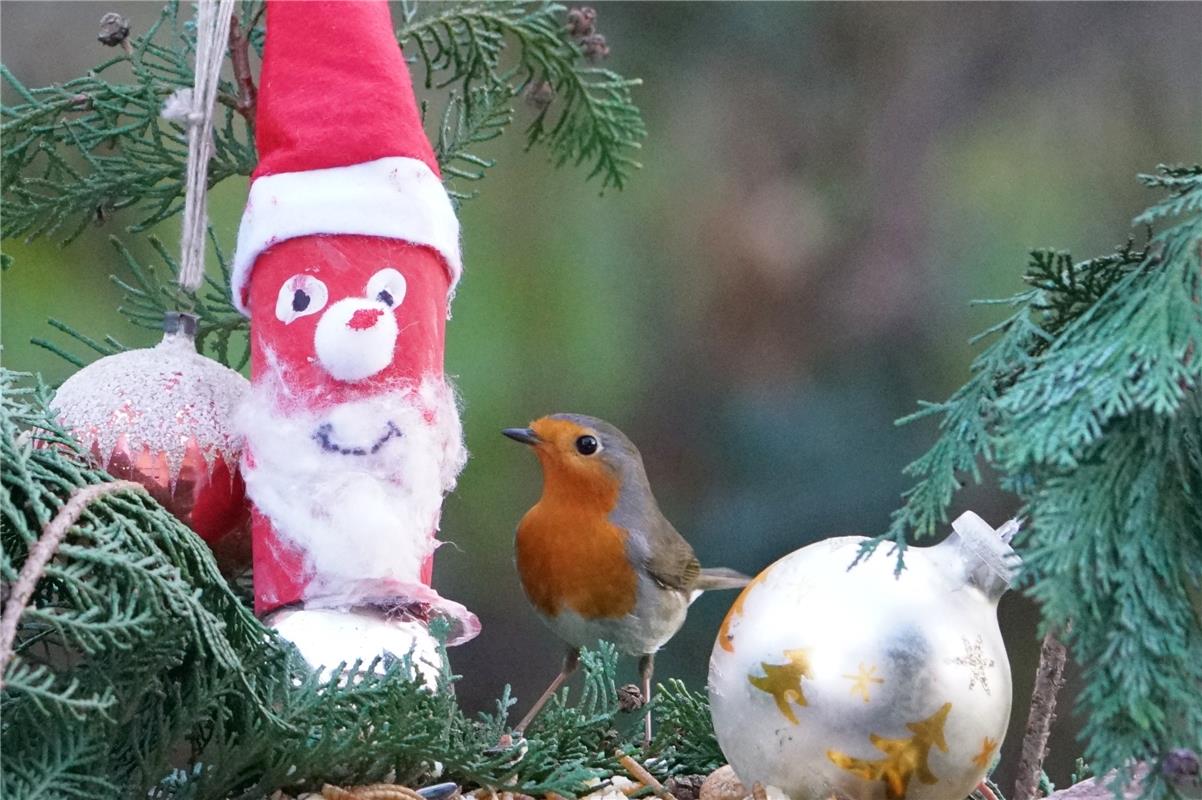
(194, 107)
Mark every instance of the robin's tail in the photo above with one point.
(720, 578)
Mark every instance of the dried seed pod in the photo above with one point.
(630, 697)
(582, 21)
(114, 29)
(594, 47)
(540, 94)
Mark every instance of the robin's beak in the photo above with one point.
(523, 435)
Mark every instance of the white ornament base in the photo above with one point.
(328, 637)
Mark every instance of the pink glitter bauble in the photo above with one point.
(163, 416)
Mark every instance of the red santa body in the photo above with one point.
(347, 255)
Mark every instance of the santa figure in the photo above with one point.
(347, 255)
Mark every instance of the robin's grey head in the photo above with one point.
(582, 446)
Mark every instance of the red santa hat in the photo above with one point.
(341, 146)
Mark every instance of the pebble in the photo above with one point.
(723, 784)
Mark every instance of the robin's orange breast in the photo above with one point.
(569, 557)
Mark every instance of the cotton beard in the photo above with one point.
(356, 487)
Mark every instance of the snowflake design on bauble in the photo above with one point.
(977, 662)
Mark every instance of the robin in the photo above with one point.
(596, 557)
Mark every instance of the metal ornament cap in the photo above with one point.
(988, 561)
(327, 637)
(181, 322)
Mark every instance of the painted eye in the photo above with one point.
(587, 445)
(387, 286)
(300, 296)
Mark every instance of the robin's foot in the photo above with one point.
(646, 669)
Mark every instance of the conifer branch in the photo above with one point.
(589, 116)
(467, 121)
(78, 153)
(39, 556)
(74, 154)
(1088, 402)
(139, 668)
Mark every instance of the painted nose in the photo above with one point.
(364, 318)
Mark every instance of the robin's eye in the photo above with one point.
(587, 445)
(300, 296)
(387, 286)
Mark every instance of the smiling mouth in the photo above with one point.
(323, 437)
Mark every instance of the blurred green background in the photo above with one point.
(826, 187)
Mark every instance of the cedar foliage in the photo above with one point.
(93, 146)
(139, 672)
(1086, 402)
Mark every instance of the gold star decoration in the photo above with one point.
(988, 748)
(783, 681)
(904, 758)
(862, 679)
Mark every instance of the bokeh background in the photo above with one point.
(825, 189)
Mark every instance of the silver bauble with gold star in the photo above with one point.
(861, 682)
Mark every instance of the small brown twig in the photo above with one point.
(39, 556)
(1049, 677)
(240, 58)
(640, 774)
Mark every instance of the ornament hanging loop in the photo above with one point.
(194, 107)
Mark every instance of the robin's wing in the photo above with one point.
(670, 559)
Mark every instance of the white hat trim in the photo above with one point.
(394, 197)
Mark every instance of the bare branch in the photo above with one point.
(240, 58)
(1103, 789)
(1049, 677)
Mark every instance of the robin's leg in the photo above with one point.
(646, 669)
(570, 662)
